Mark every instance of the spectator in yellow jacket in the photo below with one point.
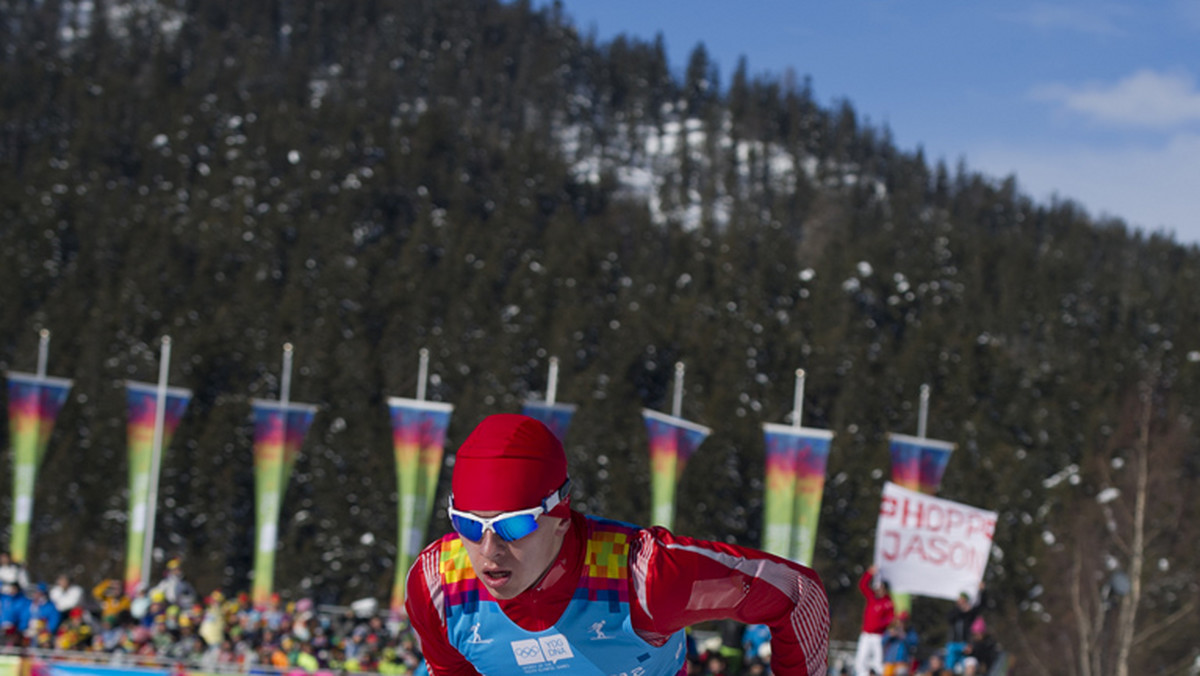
(112, 599)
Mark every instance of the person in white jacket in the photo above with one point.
(12, 572)
(65, 595)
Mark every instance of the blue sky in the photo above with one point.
(1093, 101)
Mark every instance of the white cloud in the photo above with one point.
(1150, 188)
(1143, 99)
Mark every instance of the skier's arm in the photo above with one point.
(679, 581)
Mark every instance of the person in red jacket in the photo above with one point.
(526, 584)
(878, 614)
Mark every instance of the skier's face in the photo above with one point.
(509, 568)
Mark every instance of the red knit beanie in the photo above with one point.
(508, 462)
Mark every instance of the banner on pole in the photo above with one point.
(419, 441)
(673, 441)
(279, 431)
(917, 463)
(33, 405)
(930, 546)
(142, 399)
(795, 482)
(555, 416)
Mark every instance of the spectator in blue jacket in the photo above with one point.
(41, 612)
(14, 610)
(754, 638)
(899, 647)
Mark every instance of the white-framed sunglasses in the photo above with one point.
(509, 526)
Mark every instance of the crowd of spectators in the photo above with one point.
(890, 646)
(170, 621)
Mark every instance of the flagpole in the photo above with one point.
(923, 416)
(677, 409)
(422, 374)
(552, 382)
(160, 410)
(285, 386)
(43, 352)
(798, 399)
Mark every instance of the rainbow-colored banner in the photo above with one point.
(33, 405)
(279, 431)
(672, 443)
(555, 416)
(917, 463)
(934, 458)
(906, 462)
(419, 441)
(795, 482)
(143, 409)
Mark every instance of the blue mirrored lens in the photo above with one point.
(509, 529)
(515, 527)
(468, 528)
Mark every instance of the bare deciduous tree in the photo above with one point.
(1122, 593)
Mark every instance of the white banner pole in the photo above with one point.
(160, 412)
(677, 409)
(552, 382)
(422, 374)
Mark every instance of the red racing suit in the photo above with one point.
(674, 582)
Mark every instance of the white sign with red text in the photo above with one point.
(929, 546)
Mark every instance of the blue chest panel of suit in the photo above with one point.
(594, 635)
